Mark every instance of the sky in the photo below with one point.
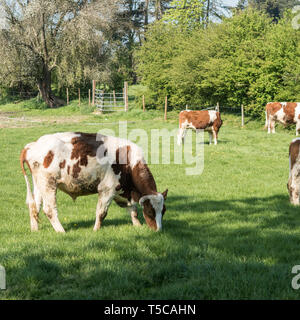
(225, 2)
(230, 2)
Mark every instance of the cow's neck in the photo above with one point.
(143, 180)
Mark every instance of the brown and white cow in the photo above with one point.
(208, 120)
(294, 176)
(283, 112)
(80, 164)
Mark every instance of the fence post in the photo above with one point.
(143, 103)
(67, 96)
(115, 101)
(93, 93)
(243, 117)
(79, 96)
(166, 107)
(218, 107)
(89, 97)
(126, 95)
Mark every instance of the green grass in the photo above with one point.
(228, 234)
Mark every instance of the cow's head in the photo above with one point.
(293, 192)
(154, 209)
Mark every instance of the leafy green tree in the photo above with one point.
(187, 14)
(63, 37)
(154, 58)
(245, 59)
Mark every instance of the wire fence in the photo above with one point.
(114, 101)
(17, 95)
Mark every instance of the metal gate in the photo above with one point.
(109, 101)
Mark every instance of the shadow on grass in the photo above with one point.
(221, 255)
(89, 224)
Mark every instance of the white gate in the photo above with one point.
(110, 101)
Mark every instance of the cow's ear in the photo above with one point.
(165, 193)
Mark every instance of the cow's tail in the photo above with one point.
(29, 197)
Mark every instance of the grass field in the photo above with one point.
(228, 234)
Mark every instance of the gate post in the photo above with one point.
(93, 93)
(126, 95)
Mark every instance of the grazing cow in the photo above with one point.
(283, 112)
(80, 164)
(208, 120)
(294, 176)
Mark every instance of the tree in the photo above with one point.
(245, 59)
(191, 14)
(274, 8)
(44, 37)
(186, 14)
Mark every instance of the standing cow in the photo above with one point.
(294, 176)
(208, 120)
(283, 112)
(80, 164)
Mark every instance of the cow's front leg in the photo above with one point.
(272, 125)
(104, 201)
(180, 136)
(134, 215)
(215, 135)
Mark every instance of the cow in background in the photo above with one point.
(294, 173)
(208, 120)
(283, 112)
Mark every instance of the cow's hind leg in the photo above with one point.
(272, 125)
(268, 122)
(50, 209)
(48, 193)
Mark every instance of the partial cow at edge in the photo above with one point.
(81, 164)
(283, 112)
(208, 120)
(294, 174)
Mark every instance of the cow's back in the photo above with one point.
(201, 119)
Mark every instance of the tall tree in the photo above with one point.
(275, 8)
(41, 36)
(187, 14)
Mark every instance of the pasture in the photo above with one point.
(227, 234)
